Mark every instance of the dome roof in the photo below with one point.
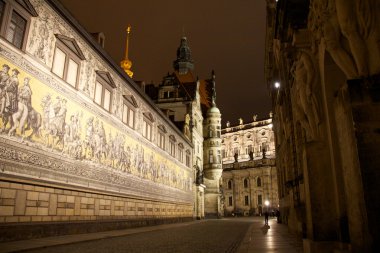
(213, 109)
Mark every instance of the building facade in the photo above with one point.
(190, 104)
(322, 69)
(249, 168)
(79, 140)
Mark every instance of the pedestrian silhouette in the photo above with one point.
(266, 217)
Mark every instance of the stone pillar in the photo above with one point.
(365, 98)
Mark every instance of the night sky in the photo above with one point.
(224, 35)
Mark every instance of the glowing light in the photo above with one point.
(277, 85)
(270, 125)
(266, 203)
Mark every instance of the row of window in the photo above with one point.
(246, 200)
(15, 18)
(248, 150)
(245, 183)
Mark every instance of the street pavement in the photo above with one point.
(240, 235)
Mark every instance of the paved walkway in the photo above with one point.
(268, 239)
(240, 235)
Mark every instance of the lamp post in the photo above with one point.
(266, 204)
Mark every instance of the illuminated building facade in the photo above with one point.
(190, 104)
(249, 168)
(79, 140)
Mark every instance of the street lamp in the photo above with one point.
(266, 204)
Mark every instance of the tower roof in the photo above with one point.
(126, 64)
(183, 63)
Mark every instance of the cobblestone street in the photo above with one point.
(240, 235)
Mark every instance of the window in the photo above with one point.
(259, 199)
(147, 125)
(161, 140)
(223, 153)
(258, 182)
(229, 184)
(129, 107)
(211, 157)
(250, 149)
(15, 20)
(66, 61)
(246, 183)
(230, 200)
(218, 157)
(147, 129)
(188, 158)
(236, 150)
(210, 132)
(104, 86)
(180, 152)
(172, 141)
(128, 115)
(246, 200)
(16, 30)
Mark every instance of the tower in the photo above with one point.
(184, 63)
(212, 162)
(126, 64)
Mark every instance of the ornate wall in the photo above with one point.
(63, 157)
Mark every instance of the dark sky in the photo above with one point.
(224, 35)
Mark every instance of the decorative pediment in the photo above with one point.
(131, 99)
(106, 77)
(172, 138)
(149, 116)
(28, 7)
(188, 152)
(72, 45)
(162, 128)
(180, 145)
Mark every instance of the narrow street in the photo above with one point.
(225, 235)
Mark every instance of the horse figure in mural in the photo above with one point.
(54, 120)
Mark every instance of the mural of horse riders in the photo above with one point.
(60, 129)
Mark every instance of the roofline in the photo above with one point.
(66, 15)
(258, 123)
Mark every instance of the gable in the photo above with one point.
(106, 77)
(28, 7)
(72, 45)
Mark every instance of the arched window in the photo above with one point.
(258, 182)
(229, 184)
(210, 132)
(246, 183)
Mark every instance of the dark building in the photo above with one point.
(323, 71)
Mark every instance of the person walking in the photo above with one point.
(266, 217)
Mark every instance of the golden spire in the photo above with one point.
(126, 64)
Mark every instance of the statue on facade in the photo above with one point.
(306, 104)
(264, 153)
(199, 176)
(354, 21)
(236, 157)
(251, 155)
